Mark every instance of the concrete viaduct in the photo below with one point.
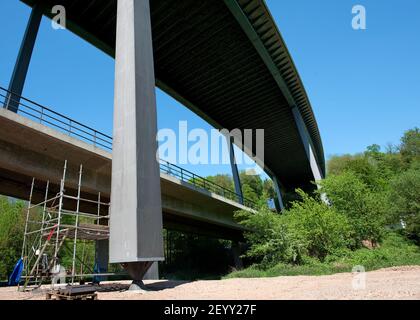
(223, 59)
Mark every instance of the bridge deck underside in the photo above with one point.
(204, 59)
(29, 149)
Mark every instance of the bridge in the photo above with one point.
(223, 59)
(36, 141)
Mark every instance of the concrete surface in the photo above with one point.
(29, 149)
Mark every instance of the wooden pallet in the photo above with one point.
(58, 296)
(82, 292)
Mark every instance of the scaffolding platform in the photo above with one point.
(87, 232)
(50, 229)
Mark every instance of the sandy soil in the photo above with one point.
(391, 283)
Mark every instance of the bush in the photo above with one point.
(405, 200)
(310, 227)
(12, 224)
(366, 210)
(320, 228)
(394, 251)
(269, 237)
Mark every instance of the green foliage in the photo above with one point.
(253, 187)
(394, 251)
(367, 194)
(365, 210)
(321, 228)
(268, 189)
(223, 180)
(410, 145)
(405, 200)
(310, 227)
(12, 224)
(269, 237)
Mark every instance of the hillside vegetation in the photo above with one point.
(366, 212)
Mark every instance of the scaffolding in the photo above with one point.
(51, 227)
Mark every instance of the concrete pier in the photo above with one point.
(136, 210)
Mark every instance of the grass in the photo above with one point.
(394, 251)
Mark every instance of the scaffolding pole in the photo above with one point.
(73, 270)
(46, 232)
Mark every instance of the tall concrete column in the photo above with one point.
(136, 238)
(304, 135)
(23, 60)
(277, 189)
(235, 171)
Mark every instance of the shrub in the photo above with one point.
(310, 227)
(405, 200)
(366, 210)
(12, 224)
(320, 228)
(269, 237)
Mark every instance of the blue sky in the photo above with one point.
(364, 86)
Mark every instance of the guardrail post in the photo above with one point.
(41, 118)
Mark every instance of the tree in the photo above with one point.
(309, 227)
(222, 180)
(12, 224)
(251, 185)
(404, 199)
(270, 239)
(410, 145)
(268, 187)
(321, 228)
(365, 209)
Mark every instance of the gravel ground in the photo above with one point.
(387, 284)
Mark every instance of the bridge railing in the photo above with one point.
(200, 182)
(48, 117)
(73, 128)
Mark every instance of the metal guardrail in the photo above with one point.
(200, 182)
(73, 128)
(53, 119)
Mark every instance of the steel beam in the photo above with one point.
(277, 189)
(136, 210)
(23, 60)
(258, 43)
(307, 143)
(235, 171)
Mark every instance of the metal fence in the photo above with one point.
(48, 117)
(66, 125)
(200, 182)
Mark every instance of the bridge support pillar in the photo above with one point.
(23, 60)
(136, 238)
(235, 172)
(277, 189)
(304, 135)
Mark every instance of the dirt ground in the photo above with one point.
(391, 283)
